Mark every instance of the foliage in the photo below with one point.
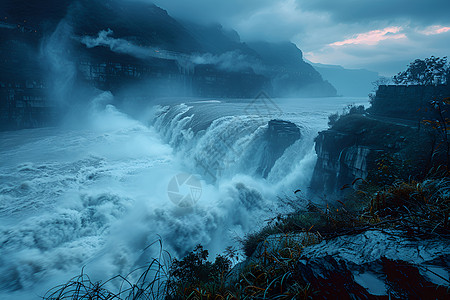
(194, 275)
(349, 110)
(275, 276)
(354, 110)
(317, 220)
(421, 208)
(432, 70)
(332, 119)
(414, 209)
(389, 168)
(381, 81)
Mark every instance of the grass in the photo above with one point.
(422, 208)
(151, 283)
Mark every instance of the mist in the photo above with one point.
(229, 61)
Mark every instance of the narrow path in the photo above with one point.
(396, 121)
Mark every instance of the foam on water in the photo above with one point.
(96, 195)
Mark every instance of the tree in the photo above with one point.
(381, 81)
(433, 70)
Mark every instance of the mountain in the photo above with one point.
(140, 22)
(234, 68)
(291, 75)
(348, 82)
(217, 40)
(137, 47)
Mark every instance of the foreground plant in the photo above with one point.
(151, 283)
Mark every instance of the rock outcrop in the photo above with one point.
(370, 265)
(370, 259)
(357, 145)
(278, 137)
(390, 138)
(340, 160)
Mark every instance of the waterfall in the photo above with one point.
(219, 147)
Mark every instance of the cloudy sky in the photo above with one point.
(379, 35)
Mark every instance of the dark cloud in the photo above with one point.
(361, 11)
(211, 11)
(254, 19)
(315, 25)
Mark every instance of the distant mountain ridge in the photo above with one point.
(290, 74)
(348, 82)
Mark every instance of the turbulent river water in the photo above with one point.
(96, 195)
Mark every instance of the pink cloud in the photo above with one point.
(435, 30)
(373, 37)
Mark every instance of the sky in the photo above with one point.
(378, 35)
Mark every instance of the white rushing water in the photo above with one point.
(96, 195)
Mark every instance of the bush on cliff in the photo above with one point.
(349, 110)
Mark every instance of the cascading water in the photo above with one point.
(96, 195)
(233, 144)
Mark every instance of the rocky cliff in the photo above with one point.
(290, 75)
(388, 141)
(370, 265)
(340, 161)
(361, 146)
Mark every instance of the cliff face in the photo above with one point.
(358, 146)
(197, 60)
(388, 142)
(340, 161)
(23, 94)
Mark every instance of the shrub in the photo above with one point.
(349, 110)
(332, 119)
(194, 276)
